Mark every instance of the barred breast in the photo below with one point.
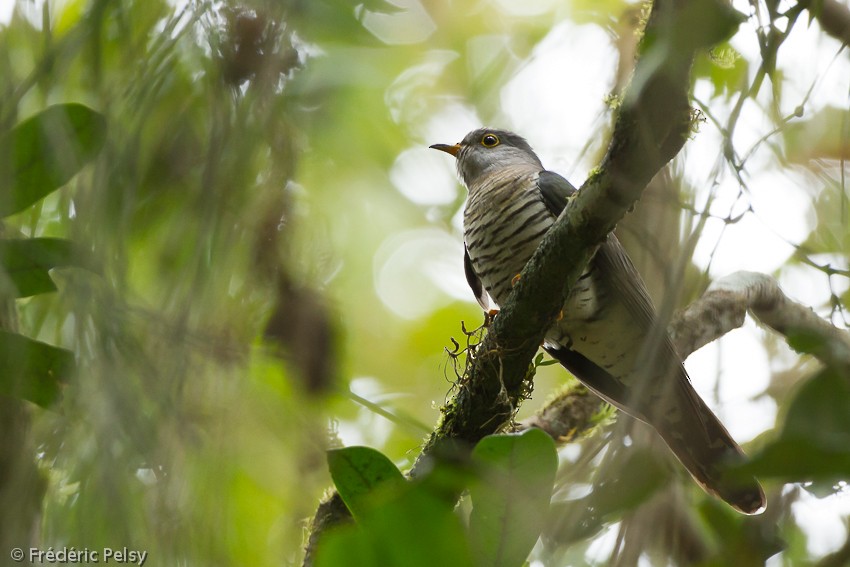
(505, 220)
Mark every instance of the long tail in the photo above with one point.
(689, 428)
(705, 448)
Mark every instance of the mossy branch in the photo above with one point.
(652, 125)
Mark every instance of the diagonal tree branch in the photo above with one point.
(727, 301)
(652, 125)
(722, 308)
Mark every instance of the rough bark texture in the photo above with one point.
(729, 299)
(567, 415)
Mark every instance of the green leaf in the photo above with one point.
(629, 481)
(744, 542)
(397, 522)
(33, 370)
(814, 444)
(410, 527)
(347, 546)
(511, 502)
(724, 67)
(539, 361)
(805, 341)
(829, 232)
(800, 460)
(817, 136)
(416, 529)
(26, 262)
(45, 151)
(449, 472)
(358, 472)
(821, 411)
(635, 480)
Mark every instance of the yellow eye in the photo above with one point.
(489, 140)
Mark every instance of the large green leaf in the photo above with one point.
(43, 152)
(511, 502)
(631, 479)
(397, 522)
(27, 261)
(409, 526)
(359, 472)
(347, 546)
(817, 136)
(33, 370)
(814, 444)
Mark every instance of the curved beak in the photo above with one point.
(449, 149)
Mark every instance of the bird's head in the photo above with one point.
(484, 149)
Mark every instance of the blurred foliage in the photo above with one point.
(814, 441)
(510, 504)
(32, 370)
(27, 262)
(43, 152)
(724, 67)
(510, 478)
(217, 236)
(639, 478)
(40, 155)
(358, 472)
(383, 505)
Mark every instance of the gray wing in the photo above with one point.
(622, 280)
(475, 283)
(692, 431)
(611, 259)
(555, 190)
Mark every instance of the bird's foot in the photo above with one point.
(515, 279)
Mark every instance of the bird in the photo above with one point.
(608, 318)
